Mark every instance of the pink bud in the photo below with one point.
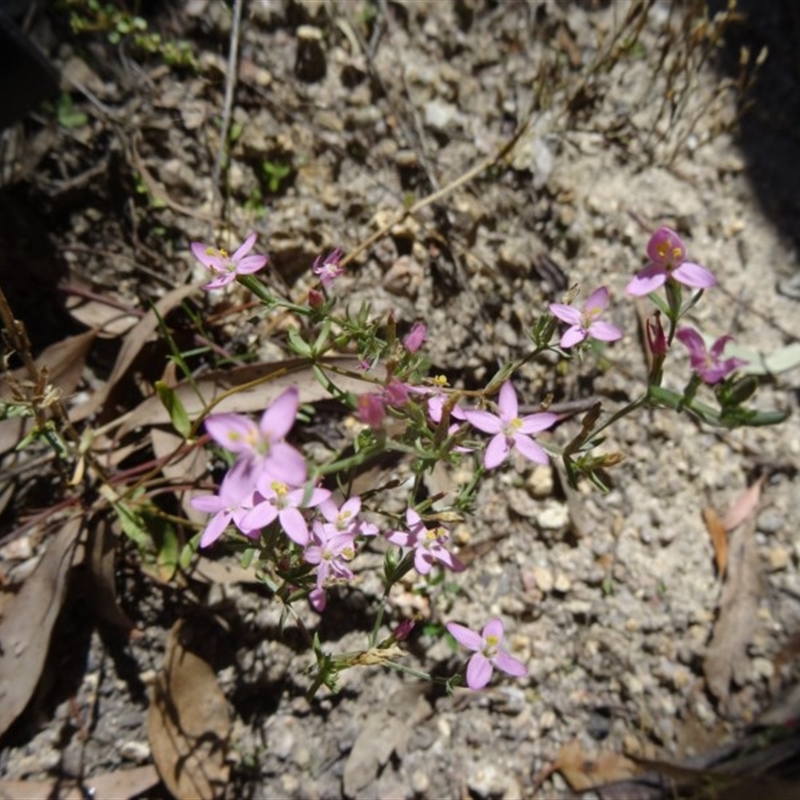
(371, 410)
(415, 337)
(656, 339)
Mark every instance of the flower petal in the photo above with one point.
(483, 421)
(295, 525)
(694, 343)
(604, 331)
(464, 636)
(278, 419)
(234, 432)
(286, 464)
(215, 528)
(665, 240)
(497, 451)
(534, 423)
(250, 264)
(597, 301)
(572, 336)
(530, 449)
(244, 248)
(651, 278)
(510, 665)
(507, 402)
(566, 313)
(479, 671)
(694, 275)
(494, 628)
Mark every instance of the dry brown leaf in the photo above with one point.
(186, 468)
(102, 558)
(28, 621)
(108, 320)
(726, 658)
(744, 506)
(134, 341)
(188, 723)
(719, 538)
(274, 378)
(121, 785)
(582, 771)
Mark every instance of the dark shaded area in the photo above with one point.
(26, 76)
(769, 131)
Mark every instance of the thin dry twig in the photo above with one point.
(230, 87)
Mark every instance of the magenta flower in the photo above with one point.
(371, 409)
(584, 324)
(415, 337)
(276, 500)
(427, 543)
(345, 519)
(510, 430)
(667, 254)
(708, 364)
(328, 269)
(488, 653)
(329, 552)
(225, 267)
(230, 504)
(262, 447)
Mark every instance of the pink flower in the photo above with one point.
(275, 500)
(230, 504)
(707, 363)
(488, 654)
(584, 324)
(345, 519)
(262, 447)
(328, 269)
(225, 267)
(667, 254)
(415, 337)
(428, 544)
(510, 430)
(371, 410)
(329, 552)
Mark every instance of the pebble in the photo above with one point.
(138, 752)
(562, 583)
(770, 521)
(553, 518)
(540, 482)
(420, 782)
(543, 577)
(778, 558)
(487, 780)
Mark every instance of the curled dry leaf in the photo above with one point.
(719, 538)
(132, 345)
(727, 658)
(28, 620)
(582, 771)
(260, 385)
(188, 723)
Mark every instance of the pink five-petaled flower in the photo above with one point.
(584, 324)
(488, 653)
(276, 500)
(328, 269)
(231, 503)
(226, 267)
(345, 519)
(328, 551)
(510, 430)
(261, 447)
(708, 364)
(428, 544)
(667, 254)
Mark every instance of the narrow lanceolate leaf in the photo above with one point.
(175, 408)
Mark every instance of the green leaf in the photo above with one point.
(175, 408)
(133, 525)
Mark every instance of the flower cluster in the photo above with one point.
(267, 492)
